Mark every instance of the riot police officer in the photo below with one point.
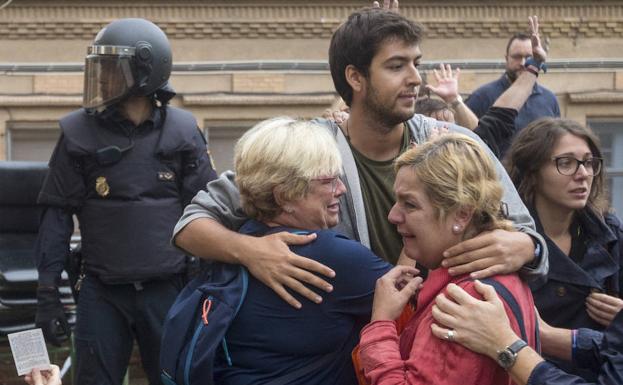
(126, 165)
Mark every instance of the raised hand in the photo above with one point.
(392, 5)
(538, 52)
(447, 83)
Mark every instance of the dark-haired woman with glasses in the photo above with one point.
(556, 165)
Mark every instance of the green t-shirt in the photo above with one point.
(377, 187)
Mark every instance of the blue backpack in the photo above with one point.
(195, 326)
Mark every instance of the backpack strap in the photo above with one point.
(512, 303)
(245, 285)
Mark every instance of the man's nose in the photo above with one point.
(414, 77)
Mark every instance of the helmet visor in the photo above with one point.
(107, 78)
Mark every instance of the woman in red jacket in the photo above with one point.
(446, 192)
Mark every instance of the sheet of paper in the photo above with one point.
(29, 351)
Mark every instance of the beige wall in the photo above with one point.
(227, 102)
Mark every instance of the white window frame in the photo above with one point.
(614, 149)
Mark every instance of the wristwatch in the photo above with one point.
(534, 66)
(507, 357)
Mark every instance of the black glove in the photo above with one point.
(51, 317)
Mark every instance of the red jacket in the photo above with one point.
(417, 357)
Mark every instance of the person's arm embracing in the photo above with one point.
(206, 230)
(384, 361)
(501, 251)
(481, 326)
(198, 168)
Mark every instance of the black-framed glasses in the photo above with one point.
(519, 56)
(568, 165)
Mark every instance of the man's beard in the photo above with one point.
(511, 75)
(383, 112)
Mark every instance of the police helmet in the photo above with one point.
(128, 57)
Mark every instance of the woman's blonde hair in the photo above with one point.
(456, 173)
(277, 158)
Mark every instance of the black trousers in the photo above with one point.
(110, 317)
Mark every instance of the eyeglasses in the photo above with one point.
(568, 165)
(519, 56)
(329, 180)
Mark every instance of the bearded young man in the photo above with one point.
(374, 58)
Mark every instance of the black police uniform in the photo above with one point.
(127, 209)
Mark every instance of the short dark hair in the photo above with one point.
(358, 39)
(531, 149)
(518, 36)
(427, 106)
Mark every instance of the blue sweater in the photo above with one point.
(269, 339)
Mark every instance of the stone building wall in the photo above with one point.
(238, 62)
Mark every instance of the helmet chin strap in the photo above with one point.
(165, 93)
(96, 111)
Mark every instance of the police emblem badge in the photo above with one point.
(101, 186)
(166, 176)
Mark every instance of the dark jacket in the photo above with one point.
(271, 342)
(606, 364)
(496, 128)
(126, 207)
(561, 297)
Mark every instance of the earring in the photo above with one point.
(456, 228)
(288, 210)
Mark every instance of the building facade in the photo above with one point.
(238, 62)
